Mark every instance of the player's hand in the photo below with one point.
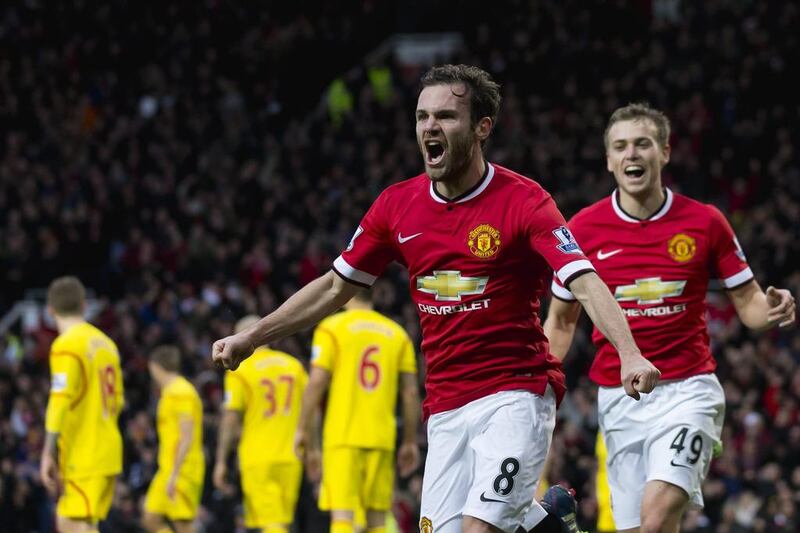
(300, 443)
(638, 375)
(231, 351)
(407, 458)
(171, 484)
(51, 479)
(219, 475)
(313, 465)
(781, 307)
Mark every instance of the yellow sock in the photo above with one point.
(379, 529)
(276, 528)
(341, 526)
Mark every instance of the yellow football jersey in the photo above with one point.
(85, 372)
(268, 389)
(365, 352)
(178, 401)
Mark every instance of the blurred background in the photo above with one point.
(193, 162)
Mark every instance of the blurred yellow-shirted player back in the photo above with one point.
(177, 486)
(264, 396)
(364, 359)
(86, 396)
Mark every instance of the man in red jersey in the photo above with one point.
(479, 242)
(656, 251)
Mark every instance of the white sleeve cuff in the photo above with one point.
(738, 279)
(344, 268)
(560, 292)
(565, 272)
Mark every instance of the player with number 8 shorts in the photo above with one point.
(480, 242)
(657, 251)
(82, 454)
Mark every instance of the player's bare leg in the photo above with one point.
(73, 525)
(342, 521)
(376, 521)
(155, 523)
(663, 506)
(183, 526)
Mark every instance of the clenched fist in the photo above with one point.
(231, 351)
(638, 375)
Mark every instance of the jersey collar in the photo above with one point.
(660, 212)
(469, 194)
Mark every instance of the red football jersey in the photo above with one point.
(658, 270)
(477, 265)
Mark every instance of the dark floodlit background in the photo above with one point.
(195, 161)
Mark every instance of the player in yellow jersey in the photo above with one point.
(174, 493)
(605, 520)
(362, 357)
(82, 453)
(262, 397)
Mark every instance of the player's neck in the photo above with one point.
(465, 181)
(642, 206)
(166, 379)
(64, 323)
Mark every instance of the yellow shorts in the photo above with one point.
(188, 491)
(86, 498)
(270, 493)
(356, 477)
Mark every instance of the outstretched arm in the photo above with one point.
(762, 310)
(306, 307)
(637, 373)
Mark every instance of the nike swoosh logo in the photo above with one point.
(673, 463)
(402, 239)
(601, 255)
(485, 499)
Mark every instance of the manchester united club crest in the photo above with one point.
(425, 525)
(681, 247)
(484, 241)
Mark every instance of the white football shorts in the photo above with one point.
(485, 459)
(668, 435)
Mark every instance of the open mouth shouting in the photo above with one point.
(434, 153)
(634, 171)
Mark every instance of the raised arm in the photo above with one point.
(762, 310)
(637, 373)
(562, 318)
(304, 308)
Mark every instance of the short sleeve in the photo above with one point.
(236, 394)
(408, 359)
(67, 375)
(549, 236)
(728, 258)
(371, 248)
(324, 348)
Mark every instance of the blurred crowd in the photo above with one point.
(191, 165)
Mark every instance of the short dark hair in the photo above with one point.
(640, 111)
(484, 92)
(66, 296)
(168, 357)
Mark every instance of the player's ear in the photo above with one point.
(483, 128)
(665, 152)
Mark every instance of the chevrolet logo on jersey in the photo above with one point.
(450, 285)
(649, 291)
